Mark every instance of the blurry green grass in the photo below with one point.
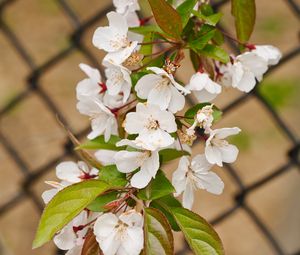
(280, 93)
(241, 140)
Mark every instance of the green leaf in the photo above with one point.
(218, 38)
(167, 155)
(164, 204)
(99, 143)
(206, 9)
(146, 29)
(191, 113)
(211, 19)
(215, 52)
(98, 204)
(158, 187)
(112, 176)
(185, 10)
(64, 206)
(200, 235)
(244, 12)
(166, 17)
(158, 234)
(202, 39)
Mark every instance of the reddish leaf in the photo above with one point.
(90, 246)
(166, 17)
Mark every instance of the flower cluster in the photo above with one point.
(136, 118)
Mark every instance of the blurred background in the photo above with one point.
(41, 44)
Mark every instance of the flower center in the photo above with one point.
(152, 124)
(119, 42)
(162, 83)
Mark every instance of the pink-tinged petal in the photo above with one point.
(213, 155)
(177, 101)
(68, 171)
(128, 161)
(146, 84)
(229, 153)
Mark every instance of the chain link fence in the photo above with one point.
(37, 71)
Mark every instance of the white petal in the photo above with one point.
(200, 164)
(133, 242)
(213, 155)
(102, 39)
(155, 139)
(49, 194)
(105, 157)
(92, 73)
(177, 101)
(140, 179)
(204, 96)
(160, 95)
(146, 84)
(269, 53)
(225, 132)
(65, 240)
(132, 218)
(128, 161)
(229, 153)
(151, 165)
(134, 123)
(68, 171)
(210, 182)
(118, 22)
(179, 176)
(188, 196)
(105, 225)
(257, 65)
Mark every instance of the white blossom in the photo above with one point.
(161, 89)
(69, 173)
(68, 239)
(114, 40)
(269, 53)
(103, 121)
(204, 119)
(218, 150)
(91, 86)
(129, 161)
(203, 87)
(152, 125)
(121, 235)
(193, 175)
(128, 8)
(118, 81)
